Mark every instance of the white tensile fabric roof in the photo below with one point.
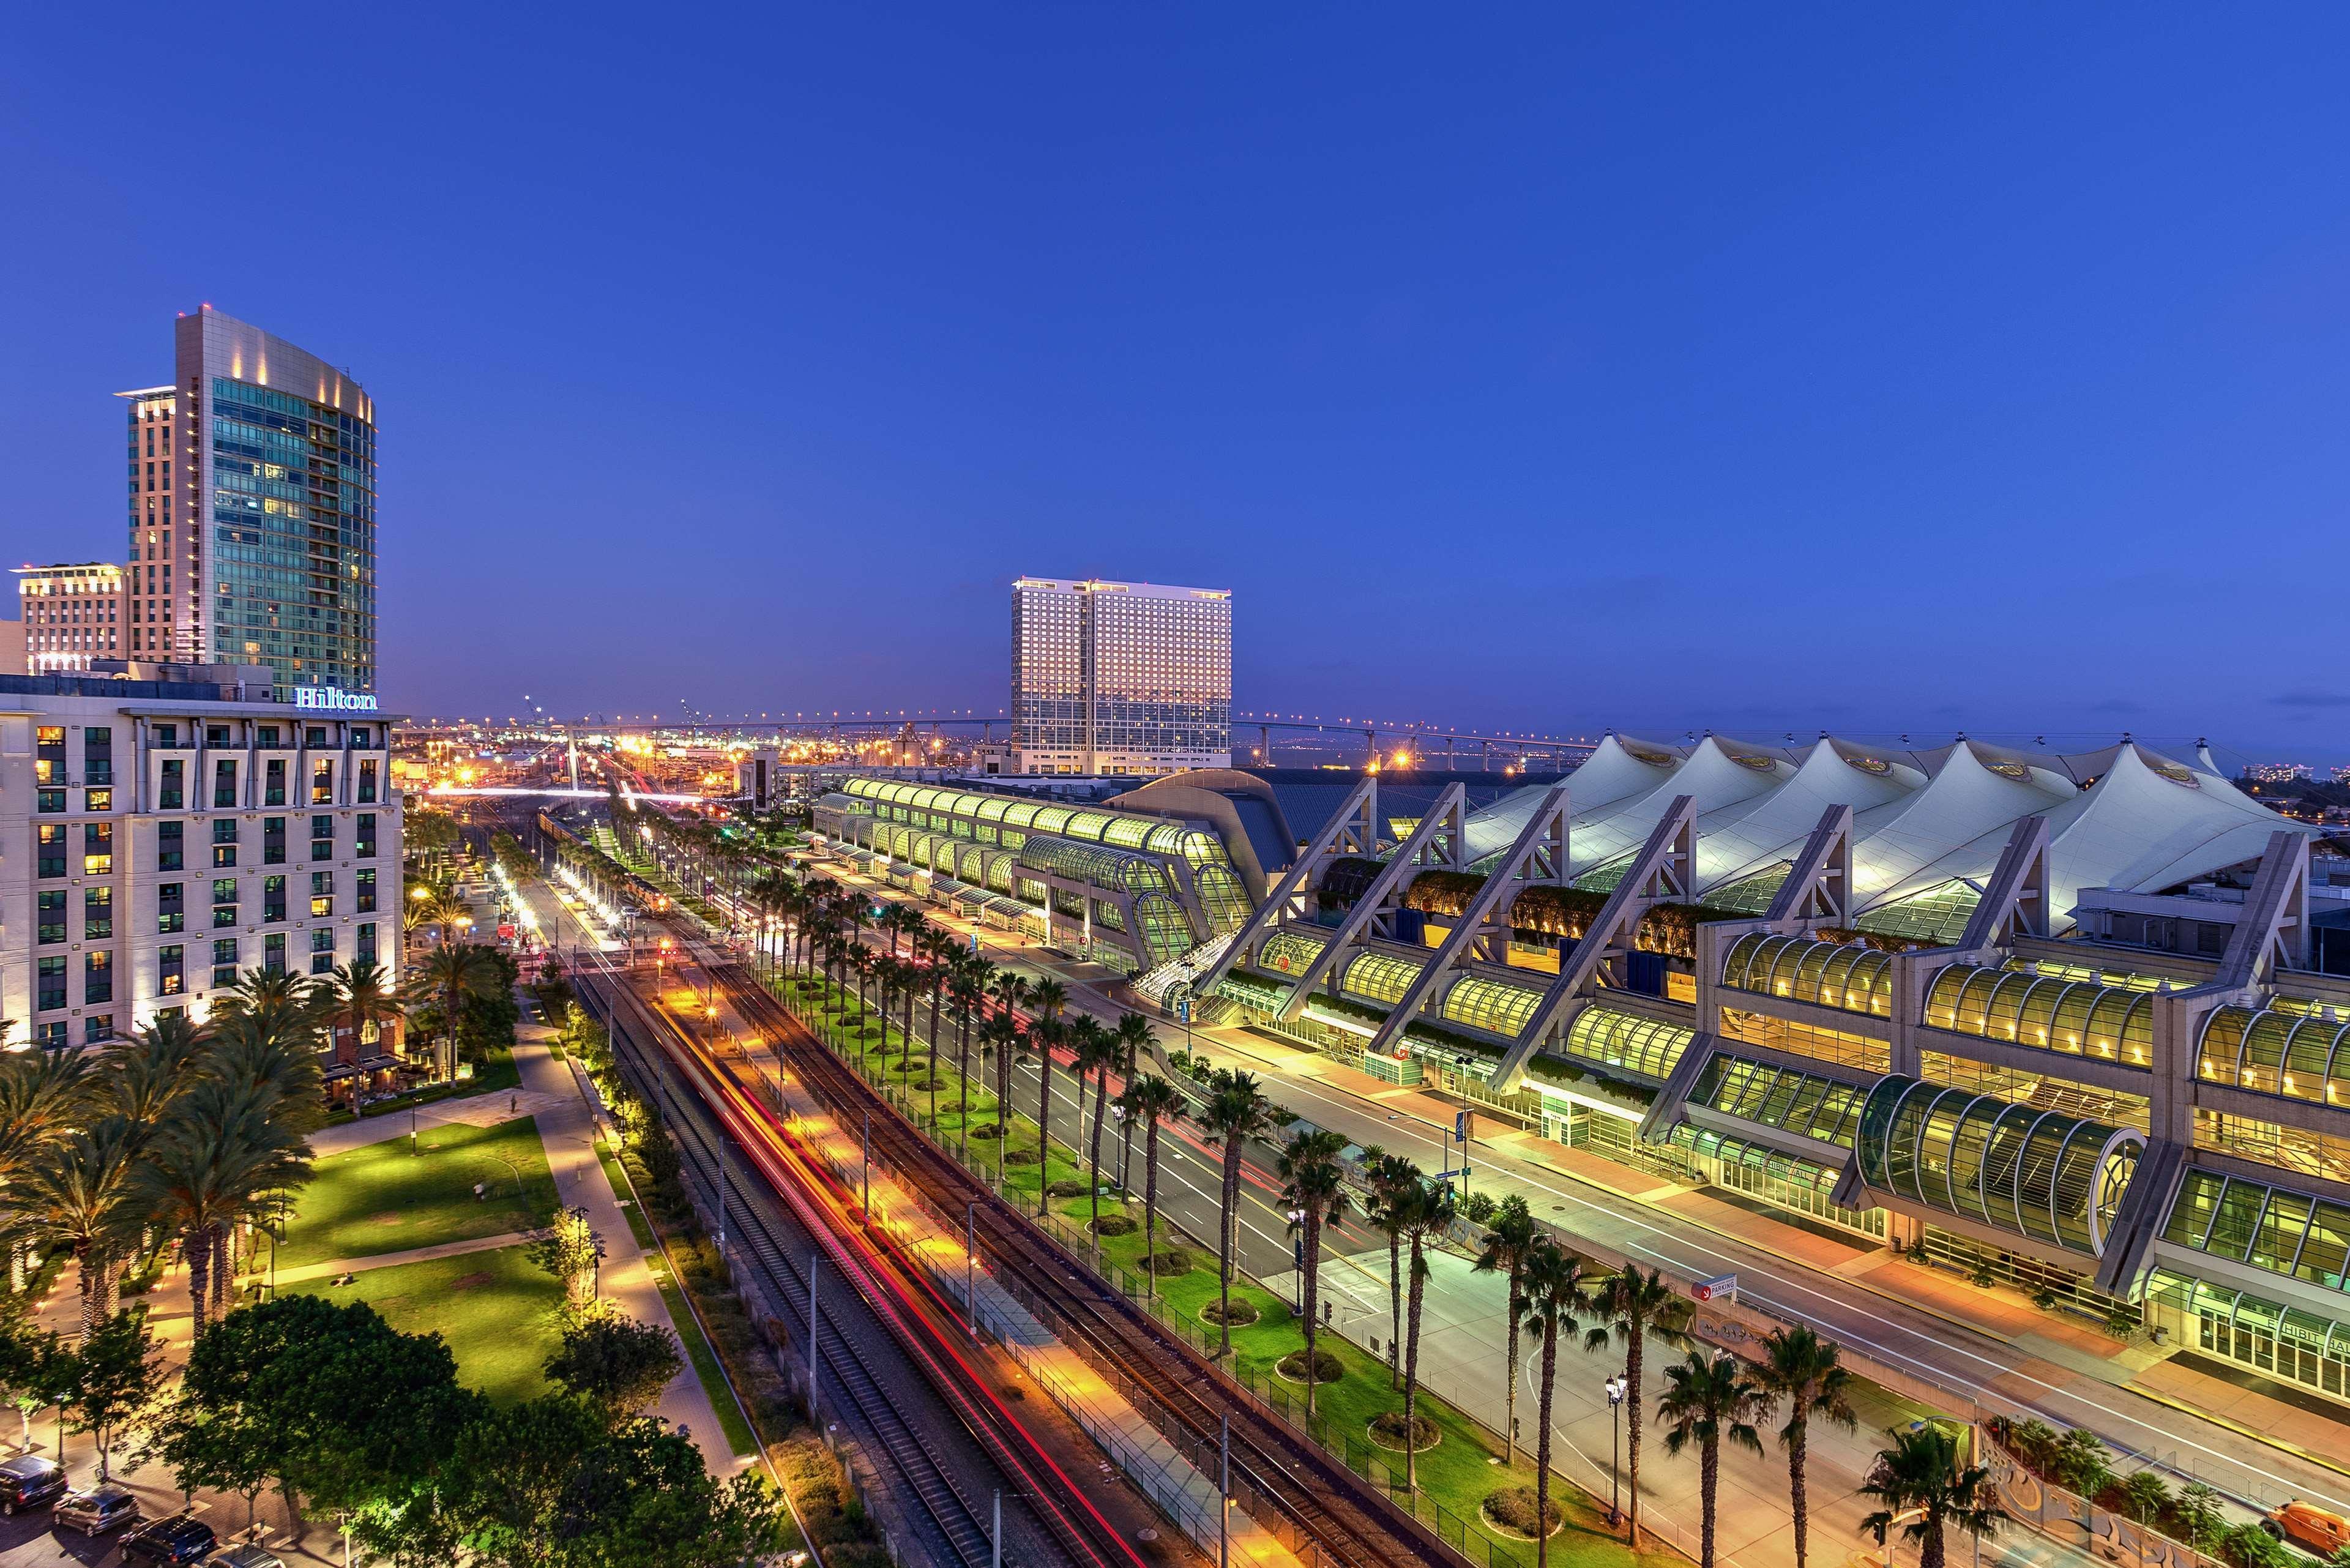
(2124, 817)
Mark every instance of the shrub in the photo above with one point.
(1512, 1508)
(1387, 1431)
(1115, 1225)
(1169, 1261)
(1069, 1186)
(1328, 1369)
(1243, 1314)
(1477, 1210)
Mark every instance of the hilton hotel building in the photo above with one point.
(159, 837)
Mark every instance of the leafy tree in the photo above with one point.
(618, 1364)
(118, 1379)
(36, 1369)
(1922, 1473)
(331, 1402)
(546, 1485)
(570, 1249)
(1709, 1401)
(1804, 1370)
(2199, 1516)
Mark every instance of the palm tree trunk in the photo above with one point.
(1224, 1241)
(1798, 1496)
(1412, 1371)
(1093, 1151)
(1150, 1208)
(1510, 1430)
(1003, 1048)
(1541, 1444)
(91, 1269)
(1043, 1126)
(1309, 1295)
(1632, 1433)
(962, 1080)
(1709, 1482)
(1394, 1310)
(1931, 1548)
(223, 1268)
(196, 1242)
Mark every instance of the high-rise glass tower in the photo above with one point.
(253, 511)
(1121, 678)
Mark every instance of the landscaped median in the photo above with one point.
(1467, 1490)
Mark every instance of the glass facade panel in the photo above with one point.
(1848, 976)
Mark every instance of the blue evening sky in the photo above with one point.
(1765, 367)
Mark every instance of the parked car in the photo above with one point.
(2308, 1526)
(167, 1542)
(95, 1510)
(30, 1482)
(247, 1555)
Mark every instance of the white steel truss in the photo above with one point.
(1437, 844)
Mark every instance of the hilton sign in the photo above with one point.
(334, 697)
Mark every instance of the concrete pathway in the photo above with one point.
(334, 1266)
(568, 1128)
(472, 1110)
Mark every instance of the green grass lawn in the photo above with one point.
(499, 1311)
(1457, 1474)
(380, 1198)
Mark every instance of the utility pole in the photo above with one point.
(995, 1536)
(866, 1168)
(813, 1418)
(971, 1267)
(1224, 1487)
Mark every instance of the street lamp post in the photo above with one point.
(1617, 1387)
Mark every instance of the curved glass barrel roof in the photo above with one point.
(1848, 976)
(1104, 868)
(2293, 1055)
(1380, 978)
(2327, 1336)
(1707, 1144)
(2052, 1012)
(1289, 953)
(2041, 1174)
(2272, 1227)
(1493, 1005)
(1630, 1042)
(1127, 830)
(1806, 1103)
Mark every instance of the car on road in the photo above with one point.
(2308, 1526)
(30, 1482)
(247, 1555)
(181, 1539)
(96, 1509)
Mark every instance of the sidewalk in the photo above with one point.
(568, 1128)
(334, 1266)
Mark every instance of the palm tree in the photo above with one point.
(1236, 1112)
(42, 1094)
(1551, 1285)
(1012, 994)
(1395, 1183)
(865, 961)
(215, 1157)
(1709, 1400)
(966, 990)
(1133, 1034)
(1922, 1475)
(1314, 1185)
(79, 1199)
(358, 996)
(1149, 1098)
(1096, 1048)
(1636, 1305)
(1508, 1242)
(1044, 1034)
(939, 947)
(450, 974)
(1433, 1211)
(1804, 1369)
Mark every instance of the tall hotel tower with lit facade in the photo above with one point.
(1121, 678)
(253, 512)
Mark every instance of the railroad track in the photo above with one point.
(1347, 1520)
(1079, 1532)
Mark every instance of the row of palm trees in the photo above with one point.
(1711, 1399)
(178, 1134)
